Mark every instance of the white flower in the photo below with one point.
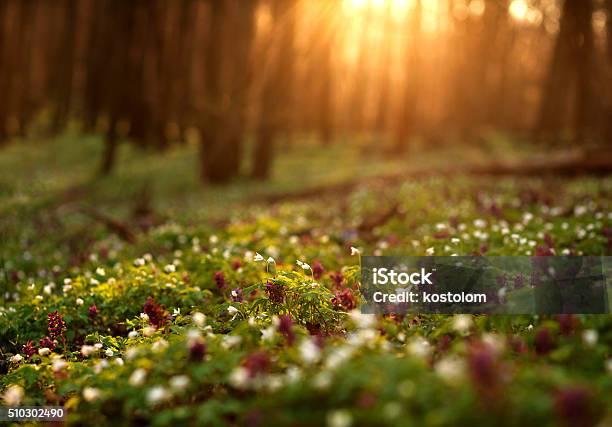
(338, 356)
(139, 262)
(354, 251)
(13, 395)
(198, 318)
(109, 352)
(232, 310)
(462, 323)
(309, 351)
(429, 251)
(339, 418)
(268, 333)
(66, 288)
(44, 351)
(302, 264)
(170, 268)
(480, 223)
(90, 394)
(58, 364)
(157, 394)
(258, 257)
(138, 377)
(148, 331)
(16, 358)
(87, 350)
(98, 346)
(100, 271)
(179, 382)
(133, 334)
(455, 240)
(79, 301)
(419, 347)
(159, 345)
(67, 281)
(271, 260)
(239, 377)
(361, 320)
(144, 316)
(450, 369)
(590, 337)
(119, 361)
(230, 341)
(609, 365)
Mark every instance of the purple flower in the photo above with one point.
(317, 270)
(574, 406)
(256, 363)
(219, 279)
(544, 341)
(197, 350)
(29, 349)
(56, 325)
(93, 311)
(157, 314)
(46, 342)
(285, 327)
(344, 300)
(275, 292)
(237, 295)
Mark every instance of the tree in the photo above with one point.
(570, 72)
(275, 106)
(228, 74)
(406, 121)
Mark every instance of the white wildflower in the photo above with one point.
(355, 251)
(450, 369)
(13, 395)
(590, 337)
(309, 351)
(100, 271)
(239, 378)
(339, 418)
(462, 323)
(157, 394)
(44, 351)
(179, 382)
(198, 318)
(79, 301)
(90, 394)
(16, 358)
(258, 257)
(138, 377)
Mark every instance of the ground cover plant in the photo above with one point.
(253, 318)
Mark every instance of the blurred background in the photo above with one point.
(242, 80)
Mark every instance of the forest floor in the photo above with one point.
(145, 288)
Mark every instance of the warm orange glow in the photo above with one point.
(519, 9)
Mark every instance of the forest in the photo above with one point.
(188, 189)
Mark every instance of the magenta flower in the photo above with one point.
(197, 350)
(29, 349)
(544, 341)
(285, 327)
(344, 300)
(93, 311)
(46, 342)
(219, 279)
(56, 325)
(275, 292)
(574, 407)
(256, 363)
(157, 314)
(317, 270)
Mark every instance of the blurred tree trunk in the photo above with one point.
(362, 74)
(608, 73)
(570, 72)
(228, 74)
(384, 74)
(275, 97)
(408, 104)
(63, 66)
